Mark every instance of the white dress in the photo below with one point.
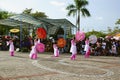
(33, 51)
(11, 47)
(73, 48)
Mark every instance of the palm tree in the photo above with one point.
(77, 9)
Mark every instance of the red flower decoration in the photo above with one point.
(61, 42)
(41, 33)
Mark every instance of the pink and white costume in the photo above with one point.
(73, 50)
(56, 51)
(87, 49)
(33, 52)
(11, 47)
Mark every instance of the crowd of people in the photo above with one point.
(102, 47)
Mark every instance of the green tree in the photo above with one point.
(39, 14)
(97, 33)
(77, 9)
(27, 11)
(5, 14)
(115, 30)
(118, 21)
(36, 14)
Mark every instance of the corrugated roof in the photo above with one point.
(26, 18)
(8, 22)
(58, 22)
(54, 24)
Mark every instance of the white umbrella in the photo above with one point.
(93, 39)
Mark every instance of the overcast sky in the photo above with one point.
(104, 13)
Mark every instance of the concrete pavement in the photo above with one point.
(47, 67)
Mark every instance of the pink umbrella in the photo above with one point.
(40, 47)
(80, 36)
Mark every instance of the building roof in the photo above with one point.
(54, 24)
(51, 25)
(8, 22)
(26, 18)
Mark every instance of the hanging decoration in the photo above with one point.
(41, 33)
(61, 42)
(80, 36)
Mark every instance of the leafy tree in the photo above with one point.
(5, 14)
(115, 30)
(118, 21)
(109, 29)
(39, 14)
(27, 11)
(97, 33)
(77, 9)
(36, 14)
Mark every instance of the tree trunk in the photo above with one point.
(78, 20)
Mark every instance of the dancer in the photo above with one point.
(33, 52)
(73, 49)
(56, 51)
(11, 47)
(87, 49)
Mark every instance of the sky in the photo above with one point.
(104, 13)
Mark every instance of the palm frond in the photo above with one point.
(72, 12)
(69, 7)
(85, 12)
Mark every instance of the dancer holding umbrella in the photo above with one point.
(11, 47)
(33, 52)
(73, 49)
(87, 48)
(38, 46)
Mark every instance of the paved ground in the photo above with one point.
(46, 67)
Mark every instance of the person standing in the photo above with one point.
(56, 51)
(33, 52)
(11, 47)
(87, 49)
(73, 49)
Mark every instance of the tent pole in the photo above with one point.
(20, 34)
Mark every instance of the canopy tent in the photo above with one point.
(55, 24)
(117, 36)
(20, 20)
(26, 18)
(8, 22)
(50, 25)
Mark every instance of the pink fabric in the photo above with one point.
(87, 49)
(73, 50)
(87, 54)
(56, 51)
(73, 57)
(12, 53)
(34, 56)
(72, 42)
(11, 47)
(33, 52)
